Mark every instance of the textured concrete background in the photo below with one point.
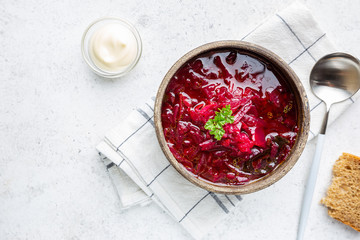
(53, 111)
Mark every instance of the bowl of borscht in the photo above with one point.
(231, 117)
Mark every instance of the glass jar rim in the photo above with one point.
(85, 51)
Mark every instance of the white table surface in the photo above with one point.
(54, 110)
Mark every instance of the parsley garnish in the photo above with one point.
(216, 124)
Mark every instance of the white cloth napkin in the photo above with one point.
(134, 151)
(140, 171)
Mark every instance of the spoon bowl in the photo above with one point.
(335, 77)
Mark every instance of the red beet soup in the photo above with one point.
(261, 105)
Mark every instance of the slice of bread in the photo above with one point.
(343, 195)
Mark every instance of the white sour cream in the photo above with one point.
(113, 47)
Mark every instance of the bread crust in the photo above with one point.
(343, 195)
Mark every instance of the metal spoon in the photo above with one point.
(334, 78)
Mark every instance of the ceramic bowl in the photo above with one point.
(282, 69)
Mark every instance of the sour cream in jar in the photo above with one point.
(111, 47)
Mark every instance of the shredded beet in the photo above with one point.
(265, 121)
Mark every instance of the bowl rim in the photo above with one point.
(303, 116)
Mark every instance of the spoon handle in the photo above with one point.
(310, 186)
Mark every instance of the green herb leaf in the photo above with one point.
(215, 125)
(210, 124)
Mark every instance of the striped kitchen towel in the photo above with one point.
(140, 171)
(133, 148)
